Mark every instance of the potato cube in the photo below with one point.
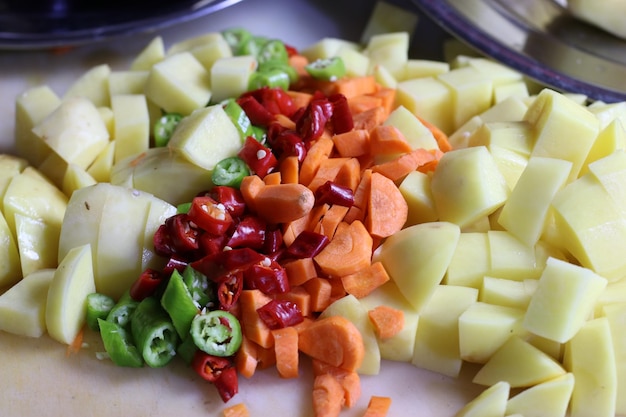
(418, 135)
(230, 76)
(490, 402)
(428, 97)
(152, 54)
(132, 125)
(37, 243)
(549, 398)
(472, 93)
(93, 85)
(415, 189)
(470, 261)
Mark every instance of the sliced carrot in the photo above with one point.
(352, 143)
(361, 196)
(273, 178)
(387, 209)
(388, 97)
(387, 140)
(403, 165)
(430, 166)
(440, 136)
(303, 324)
(300, 297)
(387, 321)
(237, 410)
(356, 86)
(327, 396)
(74, 347)
(378, 406)
(289, 168)
(349, 380)
(349, 251)
(300, 270)
(285, 121)
(369, 119)
(250, 187)
(283, 203)
(349, 174)
(300, 98)
(364, 281)
(334, 340)
(252, 326)
(359, 104)
(337, 290)
(286, 351)
(318, 152)
(332, 218)
(317, 214)
(246, 358)
(292, 229)
(320, 290)
(327, 171)
(266, 356)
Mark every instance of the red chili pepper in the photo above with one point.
(146, 285)
(209, 367)
(211, 244)
(209, 215)
(231, 198)
(291, 50)
(277, 314)
(341, 118)
(249, 232)
(288, 143)
(307, 244)
(273, 240)
(182, 235)
(174, 263)
(332, 193)
(268, 276)
(229, 289)
(162, 242)
(227, 384)
(277, 101)
(215, 265)
(258, 157)
(257, 114)
(311, 124)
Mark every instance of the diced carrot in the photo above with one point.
(359, 104)
(303, 324)
(300, 297)
(349, 251)
(74, 347)
(292, 229)
(285, 121)
(266, 356)
(246, 360)
(283, 203)
(337, 290)
(286, 351)
(388, 97)
(404, 164)
(364, 281)
(332, 218)
(387, 321)
(327, 171)
(361, 196)
(300, 270)
(334, 340)
(440, 136)
(273, 178)
(320, 290)
(237, 410)
(369, 119)
(300, 98)
(298, 62)
(319, 151)
(378, 406)
(349, 380)
(430, 166)
(349, 174)
(249, 188)
(387, 209)
(327, 396)
(387, 140)
(317, 214)
(352, 143)
(252, 326)
(356, 86)
(289, 168)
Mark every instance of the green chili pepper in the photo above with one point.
(153, 333)
(327, 69)
(187, 349)
(164, 128)
(118, 345)
(179, 304)
(270, 78)
(183, 208)
(251, 46)
(216, 332)
(239, 118)
(230, 172)
(259, 133)
(283, 66)
(236, 37)
(198, 285)
(123, 310)
(273, 50)
(98, 307)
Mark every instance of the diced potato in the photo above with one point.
(37, 243)
(93, 85)
(383, 76)
(420, 68)
(515, 136)
(189, 44)
(418, 135)
(616, 316)
(230, 76)
(327, 48)
(507, 292)
(10, 268)
(390, 50)
(498, 73)
(415, 189)
(23, 306)
(514, 89)
(549, 398)
(471, 90)
(132, 125)
(127, 82)
(101, 167)
(430, 99)
(490, 403)
(357, 63)
(76, 177)
(607, 113)
(387, 17)
(611, 139)
(510, 163)
(610, 172)
(10, 166)
(152, 54)
(211, 52)
(470, 261)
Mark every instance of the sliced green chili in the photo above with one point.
(164, 128)
(230, 172)
(123, 310)
(252, 46)
(98, 307)
(187, 349)
(239, 118)
(270, 78)
(216, 332)
(198, 285)
(179, 304)
(259, 133)
(283, 66)
(153, 333)
(272, 50)
(236, 37)
(118, 345)
(327, 69)
(183, 208)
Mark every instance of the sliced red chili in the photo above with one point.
(289, 143)
(277, 314)
(332, 193)
(215, 265)
(277, 101)
(231, 198)
(209, 215)
(175, 263)
(183, 236)
(146, 285)
(162, 242)
(258, 157)
(311, 124)
(209, 367)
(267, 276)
(341, 118)
(211, 244)
(229, 288)
(307, 244)
(273, 240)
(249, 232)
(255, 111)
(227, 384)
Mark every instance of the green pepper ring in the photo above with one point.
(212, 336)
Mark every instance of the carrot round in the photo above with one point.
(282, 203)
(286, 351)
(334, 340)
(349, 251)
(387, 209)
(403, 165)
(246, 358)
(378, 406)
(350, 381)
(364, 281)
(320, 292)
(388, 139)
(327, 396)
(352, 143)
(387, 321)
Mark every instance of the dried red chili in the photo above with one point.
(249, 232)
(277, 314)
(268, 276)
(146, 285)
(209, 215)
(258, 157)
(307, 244)
(332, 193)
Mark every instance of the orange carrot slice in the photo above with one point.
(387, 208)
(349, 251)
(364, 281)
(387, 321)
(286, 351)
